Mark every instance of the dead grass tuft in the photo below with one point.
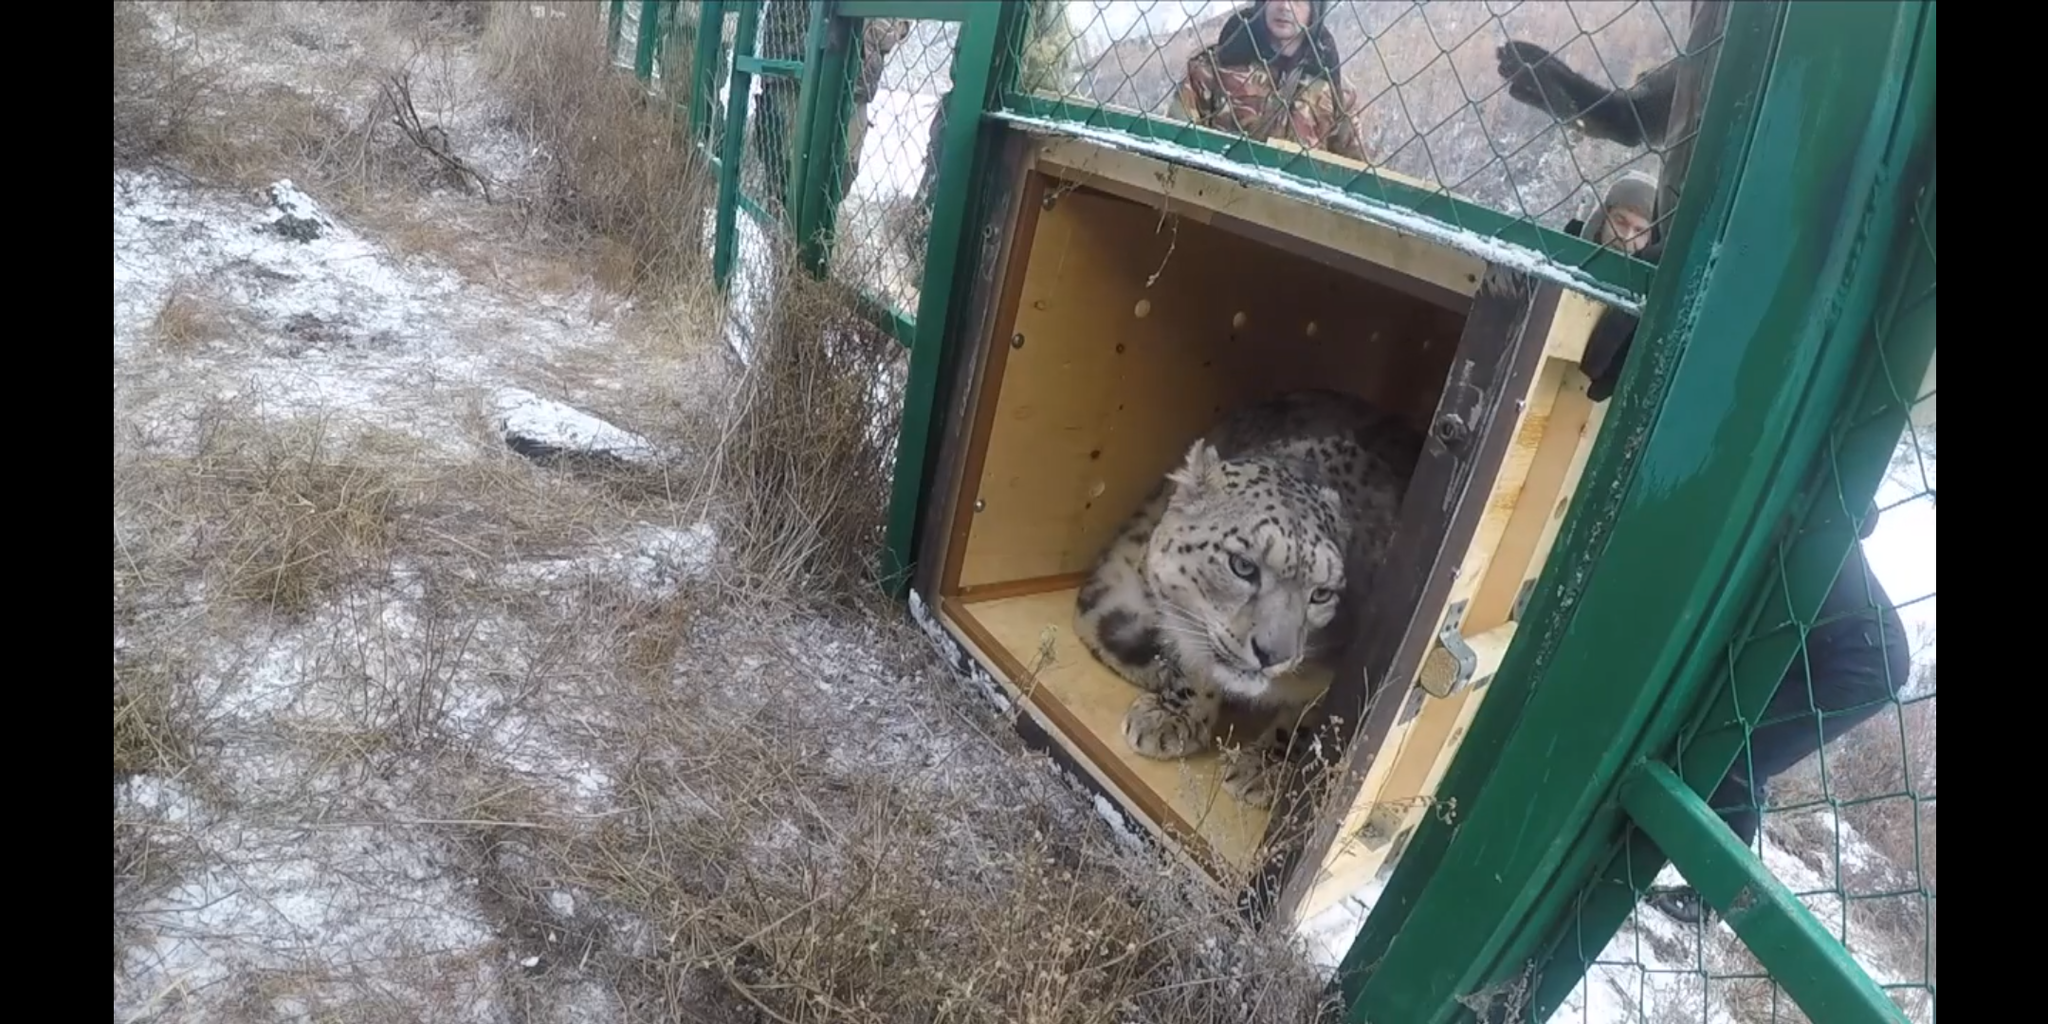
(160, 88)
(157, 733)
(281, 518)
(153, 732)
(802, 470)
(617, 164)
(189, 318)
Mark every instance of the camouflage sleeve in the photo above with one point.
(1344, 135)
(1197, 90)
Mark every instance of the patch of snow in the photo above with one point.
(287, 902)
(155, 799)
(653, 560)
(524, 417)
(1330, 933)
(1119, 825)
(562, 902)
(334, 325)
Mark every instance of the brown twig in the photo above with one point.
(397, 90)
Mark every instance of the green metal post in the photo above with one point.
(1810, 964)
(732, 146)
(646, 38)
(976, 57)
(1683, 494)
(826, 103)
(705, 67)
(615, 21)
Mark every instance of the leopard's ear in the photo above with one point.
(1199, 469)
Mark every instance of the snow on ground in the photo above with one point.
(330, 323)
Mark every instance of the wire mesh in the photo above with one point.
(1416, 88)
(1835, 790)
(884, 189)
(773, 109)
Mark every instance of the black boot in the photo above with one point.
(1680, 903)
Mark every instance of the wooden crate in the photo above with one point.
(1122, 305)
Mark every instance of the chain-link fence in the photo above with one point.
(876, 197)
(1439, 99)
(882, 192)
(1834, 788)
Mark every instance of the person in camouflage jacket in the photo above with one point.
(1274, 73)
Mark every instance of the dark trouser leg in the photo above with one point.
(1792, 731)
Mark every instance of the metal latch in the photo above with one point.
(1451, 664)
(1379, 826)
(1457, 663)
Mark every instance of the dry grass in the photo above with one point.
(766, 864)
(800, 859)
(346, 124)
(617, 167)
(157, 732)
(153, 732)
(190, 318)
(160, 89)
(287, 518)
(802, 468)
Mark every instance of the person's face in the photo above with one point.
(1626, 229)
(1287, 20)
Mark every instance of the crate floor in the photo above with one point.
(1031, 639)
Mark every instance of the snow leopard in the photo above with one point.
(1245, 566)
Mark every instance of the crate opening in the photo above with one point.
(1124, 332)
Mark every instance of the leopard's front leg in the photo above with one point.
(1174, 721)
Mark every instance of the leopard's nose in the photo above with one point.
(1266, 658)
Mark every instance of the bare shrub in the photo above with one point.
(618, 166)
(801, 475)
(160, 88)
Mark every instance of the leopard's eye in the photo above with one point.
(1321, 595)
(1244, 567)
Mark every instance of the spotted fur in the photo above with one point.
(1241, 570)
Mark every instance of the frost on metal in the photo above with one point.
(1492, 250)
